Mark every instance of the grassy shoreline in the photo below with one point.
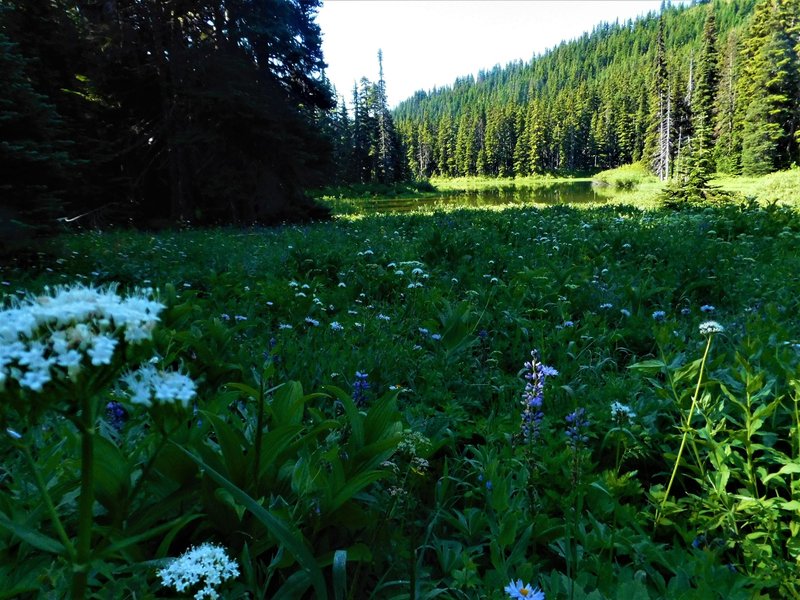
(627, 185)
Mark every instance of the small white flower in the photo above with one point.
(312, 322)
(165, 387)
(710, 327)
(621, 413)
(382, 317)
(336, 326)
(707, 308)
(102, 350)
(284, 326)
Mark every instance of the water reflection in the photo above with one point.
(572, 192)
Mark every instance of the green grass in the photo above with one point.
(427, 487)
(782, 187)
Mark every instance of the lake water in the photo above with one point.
(571, 192)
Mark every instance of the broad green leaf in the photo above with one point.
(339, 574)
(354, 417)
(355, 485)
(648, 365)
(292, 541)
(34, 538)
(380, 417)
(173, 527)
(230, 443)
(288, 404)
(294, 587)
(274, 443)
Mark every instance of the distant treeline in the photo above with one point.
(712, 86)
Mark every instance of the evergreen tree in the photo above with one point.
(770, 84)
(728, 148)
(212, 106)
(34, 158)
(699, 164)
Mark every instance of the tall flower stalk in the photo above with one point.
(708, 329)
(535, 373)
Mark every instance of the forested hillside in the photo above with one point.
(710, 86)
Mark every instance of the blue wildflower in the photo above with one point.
(535, 374)
(659, 315)
(360, 387)
(577, 423)
(116, 415)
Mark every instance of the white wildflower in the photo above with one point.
(710, 327)
(207, 565)
(621, 414)
(102, 350)
(147, 385)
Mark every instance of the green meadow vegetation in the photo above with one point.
(364, 423)
(483, 398)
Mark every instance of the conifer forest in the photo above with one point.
(528, 335)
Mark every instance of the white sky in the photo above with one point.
(428, 43)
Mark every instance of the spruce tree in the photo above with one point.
(34, 159)
(769, 88)
(698, 164)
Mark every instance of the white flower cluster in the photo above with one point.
(147, 384)
(207, 564)
(709, 327)
(621, 413)
(49, 336)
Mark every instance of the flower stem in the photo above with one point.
(686, 430)
(86, 501)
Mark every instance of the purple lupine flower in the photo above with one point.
(577, 424)
(116, 415)
(535, 374)
(360, 387)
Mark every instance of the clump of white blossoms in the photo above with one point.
(147, 385)
(709, 327)
(621, 414)
(53, 336)
(206, 564)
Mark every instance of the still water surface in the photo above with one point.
(571, 192)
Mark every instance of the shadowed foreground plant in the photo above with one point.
(58, 353)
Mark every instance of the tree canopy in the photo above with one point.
(201, 112)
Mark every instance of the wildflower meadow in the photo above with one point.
(528, 403)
